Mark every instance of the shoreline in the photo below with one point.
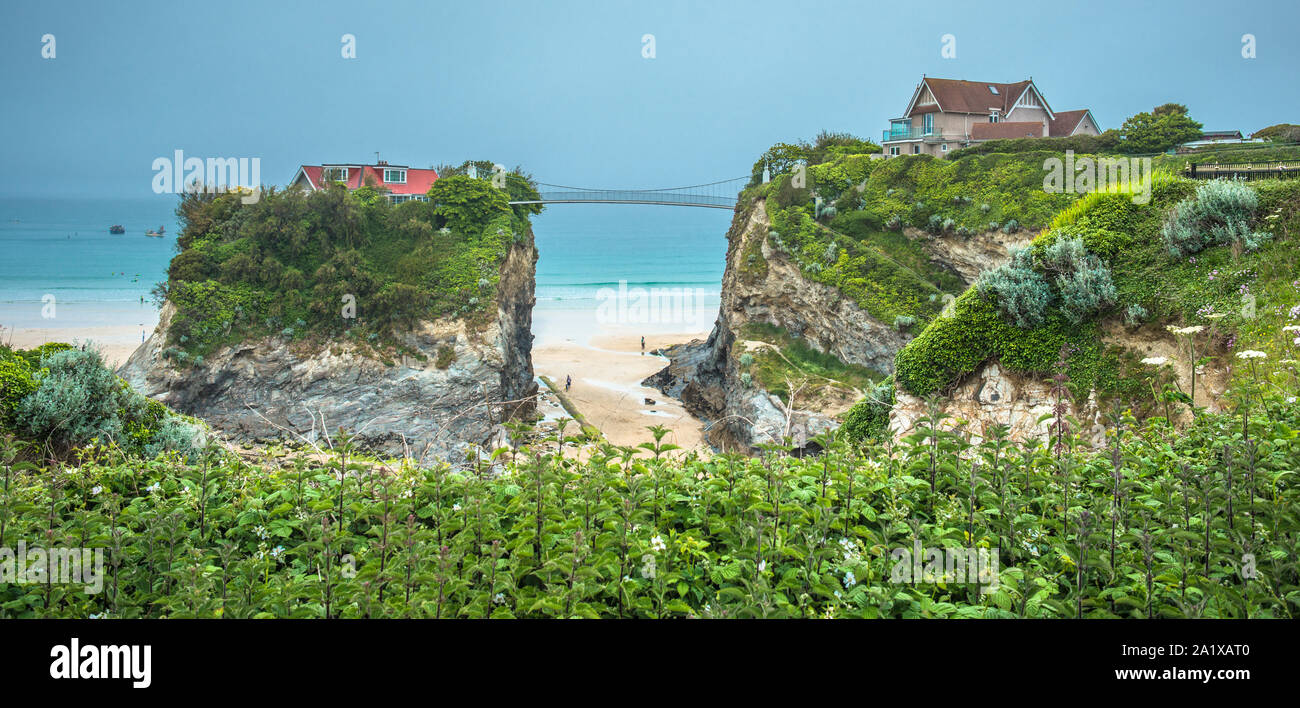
(607, 371)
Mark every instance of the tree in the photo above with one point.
(463, 203)
(1164, 127)
(1280, 133)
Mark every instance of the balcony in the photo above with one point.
(907, 132)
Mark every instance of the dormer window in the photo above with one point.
(335, 174)
(392, 176)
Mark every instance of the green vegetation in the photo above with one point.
(1164, 127)
(1281, 133)
(792, 360)
(1153, 525)
(1107, 142)
(1243, 298)
(336, 263)
(62, 398)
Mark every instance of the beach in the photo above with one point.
(115, 342)
(607, 367)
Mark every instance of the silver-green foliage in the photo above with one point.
(1021, 293)
(1219, 213)
(77, 399)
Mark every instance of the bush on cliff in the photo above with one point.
(331, 263)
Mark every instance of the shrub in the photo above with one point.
(16, 383)
(446, 356)
(902, 322)
(868, 419)
(1220, 212)
(179, 436)
(1135, 315)
(1086, 290)
(1021, 293)
(746, 359)
(77, 399)
(1011, 226)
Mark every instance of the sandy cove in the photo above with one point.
(114, 342)
(607, 374)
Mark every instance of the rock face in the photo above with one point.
(706, 375)
(968, 257)
(989, 396)
(270, 389)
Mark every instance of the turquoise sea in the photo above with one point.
(62, 248)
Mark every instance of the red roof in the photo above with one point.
(1066, 122)
(957, 96)
(1006, 130)
(418, 180)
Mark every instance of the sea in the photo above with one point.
(602, 268)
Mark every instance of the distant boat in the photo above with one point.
(156, 234)
(117, 229)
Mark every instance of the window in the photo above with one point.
(893, 150)
(993, 117)
(993, 89)
(929, 123)
(395, 176)
(334, 174)
(916, 149)
(944, 147)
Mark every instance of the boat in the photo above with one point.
(156, 234)
(117, 229)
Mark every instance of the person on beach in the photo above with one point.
(643, 346)
(568, 381)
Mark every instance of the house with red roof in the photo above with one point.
(399, 182)
(946, 114)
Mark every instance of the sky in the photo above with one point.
(564, 90)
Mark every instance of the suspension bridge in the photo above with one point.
(714, 195)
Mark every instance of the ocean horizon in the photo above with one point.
(61, 247)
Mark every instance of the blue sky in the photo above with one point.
(562, 88)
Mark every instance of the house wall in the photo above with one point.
(1026, 114)
(1086, 127)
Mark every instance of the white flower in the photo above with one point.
(1290, 399)
(499, 598)
(455, 507)
(648, 570)
(1194, 329)
(97, 489)
(1291, 328)
(1251, 354)
(762, 565)
(849, 580)
(1215, 316)
(657, 544)
(1156, 360)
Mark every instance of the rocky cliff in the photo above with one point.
(707, 375)
(428, 403)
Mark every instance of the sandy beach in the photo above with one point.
(607, 370)
(115, 342)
